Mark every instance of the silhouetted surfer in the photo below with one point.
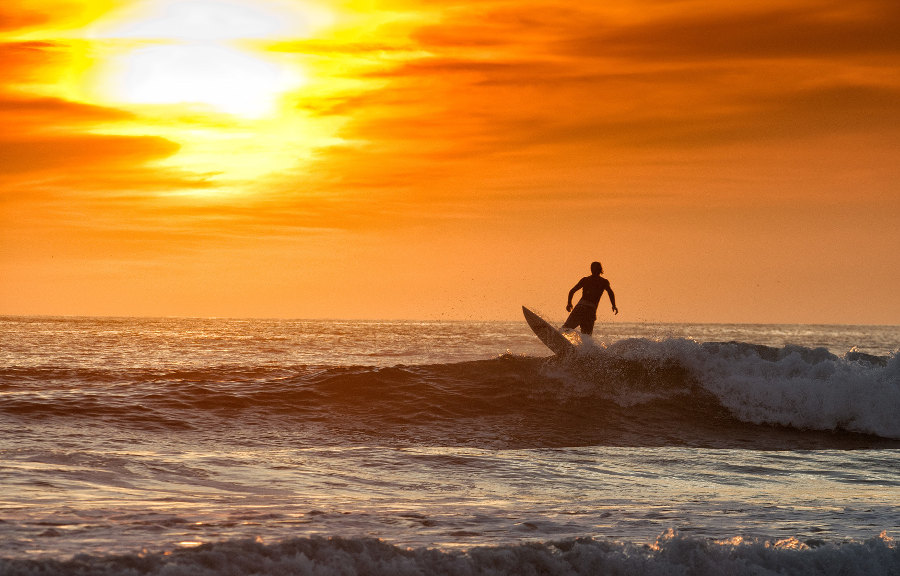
(592, 288)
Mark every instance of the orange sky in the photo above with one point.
(727, 162)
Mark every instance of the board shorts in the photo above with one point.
(583, 315)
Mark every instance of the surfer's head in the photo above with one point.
(596, 268)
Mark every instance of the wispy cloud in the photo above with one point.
(810, 29)
(491, 79)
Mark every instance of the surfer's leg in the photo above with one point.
(573, 320)
(587, 322)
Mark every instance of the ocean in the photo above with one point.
(133, 446)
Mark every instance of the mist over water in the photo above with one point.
(122, 435)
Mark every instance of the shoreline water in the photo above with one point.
(669, 554)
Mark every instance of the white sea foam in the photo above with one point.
(671, 554)
(805, 388)
(820, 393)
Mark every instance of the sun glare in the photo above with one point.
(196, 52)
(210, 20)
(197, 72)
(222, 77)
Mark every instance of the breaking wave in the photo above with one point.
(631, 392)
(792, 386)
(671, 554)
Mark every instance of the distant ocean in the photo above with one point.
(214, 446)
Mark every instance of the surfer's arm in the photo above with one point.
(572, 293)
(612, 299)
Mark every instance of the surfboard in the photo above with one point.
(549, 335)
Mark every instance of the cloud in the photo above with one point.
(15, 18)
(471, 95)
(44, 15)
(81, 153)
(52, 138)
(55, 172)
(25, 114)
(49, 143)
(470, 130)
(494, 77)
(28, 61)
(822, 29)
(320, 47)
(491, 100)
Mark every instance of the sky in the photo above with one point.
(451, 159)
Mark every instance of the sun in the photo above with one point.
(213, 75)
(203, 74)
(199, 53)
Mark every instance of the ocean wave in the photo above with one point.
(630, 392)
(791, 386)
(670, 554)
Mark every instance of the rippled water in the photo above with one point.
(122, 435)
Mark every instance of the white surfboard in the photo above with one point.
(549, 335)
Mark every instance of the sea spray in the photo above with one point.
(670, 554)
(792, 386)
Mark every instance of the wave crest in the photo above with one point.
(802, 388)
(671, 554)
(631, 392)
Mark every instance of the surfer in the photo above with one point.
(585, 312)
